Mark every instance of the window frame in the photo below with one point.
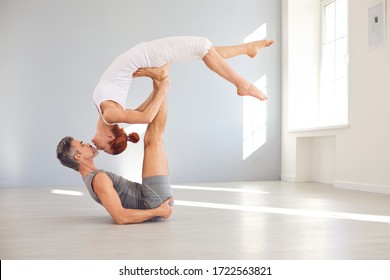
(322, 120)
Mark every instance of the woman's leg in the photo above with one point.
(214, 60)
(216, 63)
(250, 49)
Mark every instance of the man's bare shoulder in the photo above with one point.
(101, 181)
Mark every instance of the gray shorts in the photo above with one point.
(156, 190)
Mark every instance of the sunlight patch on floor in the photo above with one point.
(288, 211)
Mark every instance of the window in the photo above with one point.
(254, 110)
(333, 98)
(254, 121)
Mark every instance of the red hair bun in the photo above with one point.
(133, 137)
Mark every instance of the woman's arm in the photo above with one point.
(144, 113)
(104, 189)
(145, 103)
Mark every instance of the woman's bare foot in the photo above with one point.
(156, 73)
(254, 47)
(251, 90)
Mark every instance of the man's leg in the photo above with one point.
(155, 162)
(156, 186)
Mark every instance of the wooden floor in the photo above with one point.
(246, 220)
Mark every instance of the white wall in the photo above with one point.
(361, 151)
(52, 54)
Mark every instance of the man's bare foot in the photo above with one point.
(156, 73)
(254, 47)
(251, 90)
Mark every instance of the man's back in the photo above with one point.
(130, 193)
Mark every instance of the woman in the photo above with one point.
(110, 94)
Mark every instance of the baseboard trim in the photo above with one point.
(288, 178)
(362, 187)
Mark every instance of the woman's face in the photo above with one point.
(102, 142)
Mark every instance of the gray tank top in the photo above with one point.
(130, 193)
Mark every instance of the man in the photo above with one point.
(127, 202)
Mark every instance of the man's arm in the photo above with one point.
(104, 189)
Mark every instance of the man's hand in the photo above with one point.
(165, 210)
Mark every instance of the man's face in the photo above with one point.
(87, 151)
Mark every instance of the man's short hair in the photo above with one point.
(66, 153)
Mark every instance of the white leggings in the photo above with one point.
(174, 49)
